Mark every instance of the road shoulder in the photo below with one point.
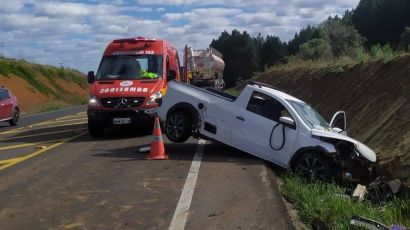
(235, 191)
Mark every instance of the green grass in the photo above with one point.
(54, 105)
(318, 200)
(78, 100)
(22, 69)
(384, 53)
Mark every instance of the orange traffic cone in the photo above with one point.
(157, 145)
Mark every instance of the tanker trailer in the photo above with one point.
(204, 68)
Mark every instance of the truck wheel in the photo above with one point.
(178, 127)
(95, 130)
(312, 166)
(15, 117)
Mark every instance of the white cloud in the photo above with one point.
(63, 9)
(76, 33)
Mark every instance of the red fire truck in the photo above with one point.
(130, 82)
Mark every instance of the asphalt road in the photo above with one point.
(54, 175)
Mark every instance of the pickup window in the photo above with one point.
(266, 106)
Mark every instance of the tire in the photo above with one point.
(178, 127)
(15, 117)
(95, 129)
(312, 165)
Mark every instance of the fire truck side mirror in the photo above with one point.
(172, 75)
(90, 77)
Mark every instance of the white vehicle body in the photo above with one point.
(251, 124)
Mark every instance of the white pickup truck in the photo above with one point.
(269, 124)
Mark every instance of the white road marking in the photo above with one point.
(181, 212)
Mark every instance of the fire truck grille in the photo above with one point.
(122, 102)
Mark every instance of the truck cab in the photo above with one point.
(130, 81)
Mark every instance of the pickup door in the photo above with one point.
(257, 132)
(218, 115)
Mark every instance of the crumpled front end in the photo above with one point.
(353, 160)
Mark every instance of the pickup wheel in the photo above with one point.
(312, 165)
(178, 127)
(95, 129)
(15, 117)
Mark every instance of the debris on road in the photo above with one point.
(367, 223)
(370, 224)
(380, 190)
(215, 214)
(359, 193)
(145, 149)
(377, 191)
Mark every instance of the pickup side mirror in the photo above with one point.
(172, 75)
(90, 77)
(288, 122)
(338, 122)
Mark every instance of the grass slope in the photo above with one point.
(51, 82)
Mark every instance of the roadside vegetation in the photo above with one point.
(56, 85)
(319, 202)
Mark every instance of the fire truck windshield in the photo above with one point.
(130, 67)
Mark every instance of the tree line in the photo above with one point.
(374, 26)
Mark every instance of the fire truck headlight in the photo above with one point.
(93, 101)
(154, 98)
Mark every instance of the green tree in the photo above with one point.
(343, 38)
(273, 50)
(315, 49)
(404, 43)
(382, 21)
(304, 35)
(258, 42)
(239, 54)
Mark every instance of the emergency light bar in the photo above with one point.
(134, 40)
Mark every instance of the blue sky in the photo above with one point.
(76, 32)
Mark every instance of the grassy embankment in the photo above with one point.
(327, 203)
(42, 88)
(375, 93)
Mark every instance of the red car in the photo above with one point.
(9, 109)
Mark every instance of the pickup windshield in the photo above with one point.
(309, 115)
(130, 67)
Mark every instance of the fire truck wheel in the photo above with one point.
(95, 129)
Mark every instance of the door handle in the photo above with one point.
(240, 118)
